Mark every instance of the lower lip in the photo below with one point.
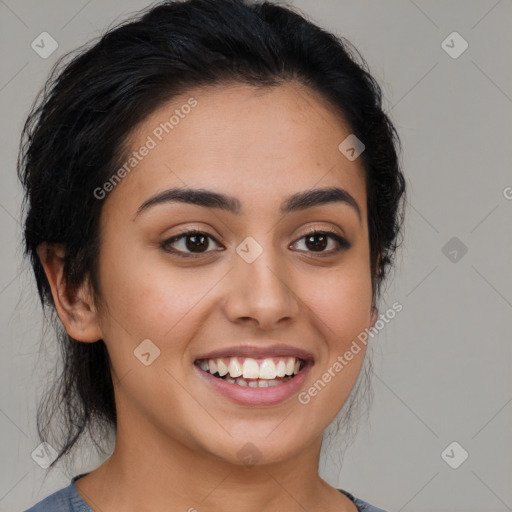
(256, 396)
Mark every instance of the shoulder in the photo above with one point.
(66, 499)
(362, 506)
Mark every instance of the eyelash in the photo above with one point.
(343, 243)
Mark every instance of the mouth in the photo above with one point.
(253, 372)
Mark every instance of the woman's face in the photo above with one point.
(254, 283)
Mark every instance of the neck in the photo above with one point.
(173, 477)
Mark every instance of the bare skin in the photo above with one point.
(178, 440)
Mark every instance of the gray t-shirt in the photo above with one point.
(68, 500)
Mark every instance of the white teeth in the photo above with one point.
(250, 368)
(221, 367)
(234, 368)
(256, 383)
(281, 369)
(290, 364)
(212, 365)
(268, 369)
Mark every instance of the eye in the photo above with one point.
(317, 241)
(193, 240)
(193, 243)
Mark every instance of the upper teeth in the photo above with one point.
(249, 368)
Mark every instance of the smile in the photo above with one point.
(252, 381)
(251, 372)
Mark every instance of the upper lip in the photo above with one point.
(258, 351)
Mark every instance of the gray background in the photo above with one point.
(442, 366)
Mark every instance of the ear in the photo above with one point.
(75, 308)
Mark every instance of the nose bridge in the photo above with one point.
(262, 289)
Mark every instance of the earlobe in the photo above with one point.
(75, 308)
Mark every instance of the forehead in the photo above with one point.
(258, 144)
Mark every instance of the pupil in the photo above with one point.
(194, 244)
(320, 245)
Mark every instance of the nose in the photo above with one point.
(261, 292)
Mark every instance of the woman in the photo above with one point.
(213, 200)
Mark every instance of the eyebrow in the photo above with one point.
(210, 199)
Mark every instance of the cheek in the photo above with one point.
(341, 300)
(148, 299)
(340, 310)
